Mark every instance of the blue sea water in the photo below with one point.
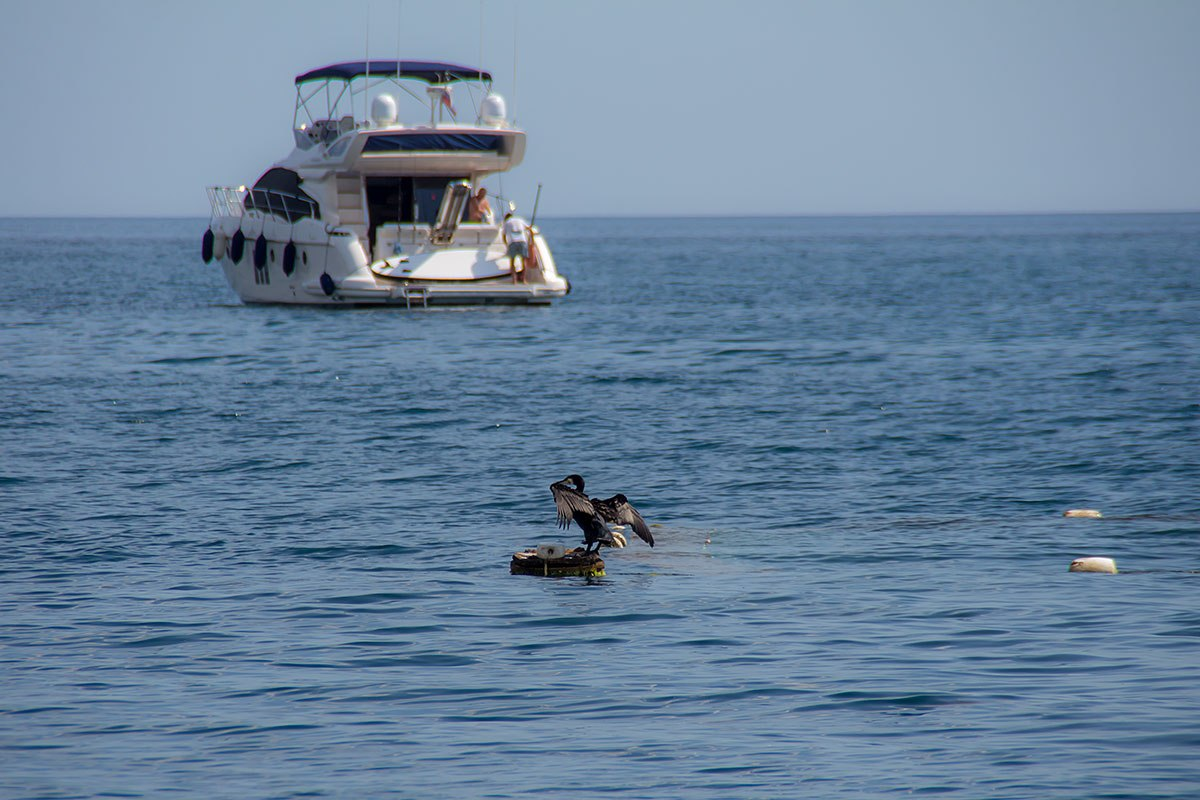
(262, 552)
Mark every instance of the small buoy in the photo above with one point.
(206, 246)
(289, 258)
(551, 552)
(575, 563)
(260, 251)
(327, 285)
(237, 245)
(1094, 564)
(1085, 513)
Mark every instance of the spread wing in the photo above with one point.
(568, 500)
(616, 509)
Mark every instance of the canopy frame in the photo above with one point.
(358, 77)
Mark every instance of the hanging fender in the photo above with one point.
(260, 251)
(327, 284)
(289, 258)
(206, 246)
(220, 245)
(237, 246)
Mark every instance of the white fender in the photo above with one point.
(1094, 564)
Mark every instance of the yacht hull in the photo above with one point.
(331, 269)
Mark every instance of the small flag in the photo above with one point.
(448, 101)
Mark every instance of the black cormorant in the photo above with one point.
(591, 514)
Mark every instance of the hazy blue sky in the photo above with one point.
(634, 106)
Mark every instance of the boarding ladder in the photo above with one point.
(412, 293)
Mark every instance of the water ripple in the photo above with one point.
(266, 549)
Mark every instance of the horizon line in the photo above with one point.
(750, 215)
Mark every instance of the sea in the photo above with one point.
(263, 551)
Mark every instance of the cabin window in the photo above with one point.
(278, 192)
(405, 200)
(428, 193)
(389, 200)
(434, 142)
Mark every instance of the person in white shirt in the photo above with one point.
(516, 235)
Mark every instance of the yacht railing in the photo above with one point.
(287, 205)
(227, 201)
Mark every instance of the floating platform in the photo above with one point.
(576, 563)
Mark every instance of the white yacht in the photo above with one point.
(379, 211)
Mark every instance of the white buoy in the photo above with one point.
(551, 552)
(1085, 513)
(1094, 564)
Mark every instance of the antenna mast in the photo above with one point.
(367, 66)
(516, 30)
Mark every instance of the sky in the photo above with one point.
(633, 107)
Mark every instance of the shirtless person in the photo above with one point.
(478, 207)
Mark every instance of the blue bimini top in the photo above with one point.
(428, 71)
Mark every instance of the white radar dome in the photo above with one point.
(492, 111)
(383, 109)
